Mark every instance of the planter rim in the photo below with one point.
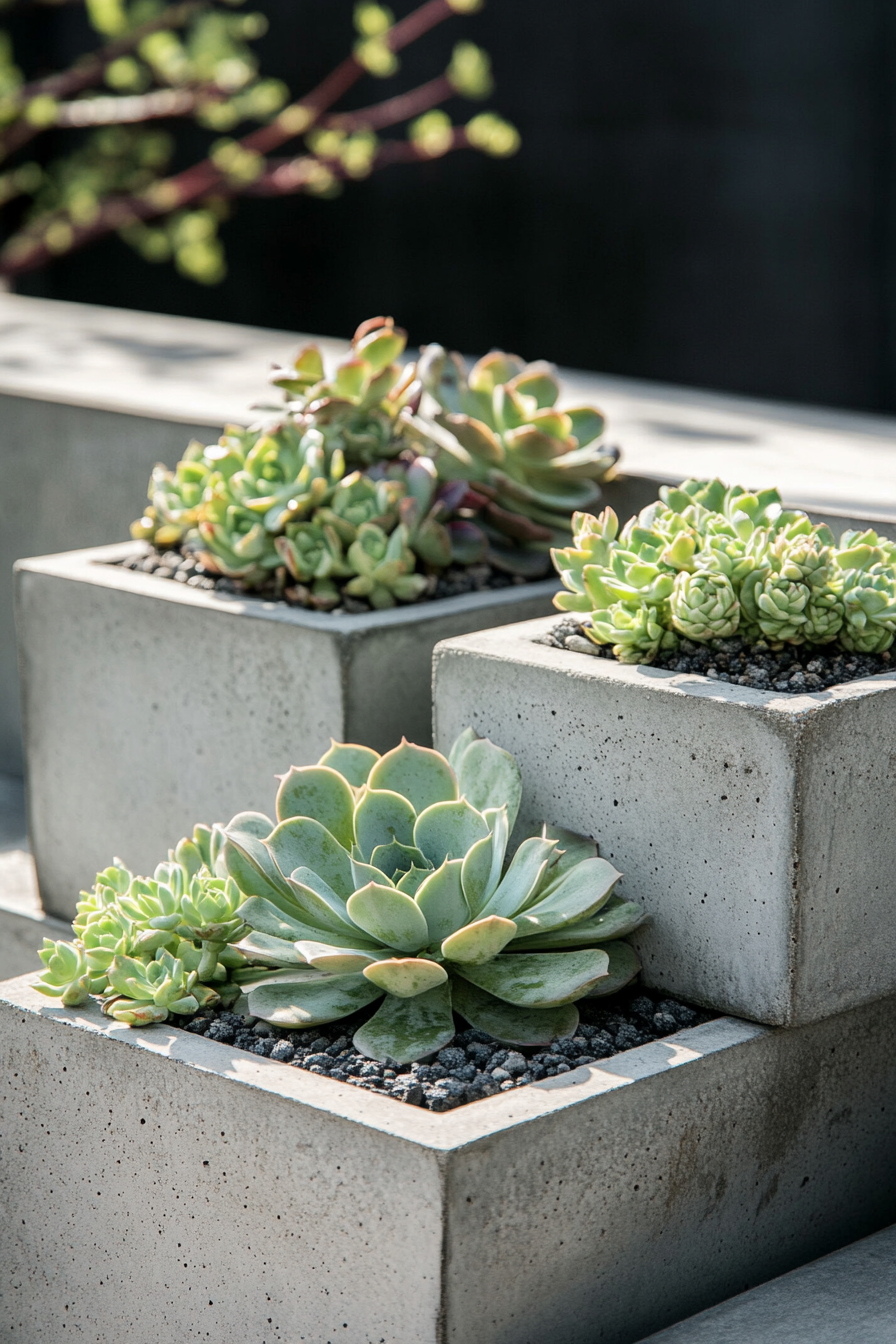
(442, 1133)
(518, 642)
(96, 565)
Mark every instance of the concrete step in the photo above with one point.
(848, 1297)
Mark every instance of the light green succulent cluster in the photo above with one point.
(708, 561)
(150, 946)
(386, 878)
(358, 486)
(383, 878)
(500, 429)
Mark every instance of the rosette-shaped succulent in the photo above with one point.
(704, 605)
(386, 878)
(708, 561)
(383, 567)
(67, 975)
(142, 992)
(358, 409)
(499, 428)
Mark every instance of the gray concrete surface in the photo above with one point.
(848, 1297)
(149, 706)
(91, 398)
(159, 1184)
(755, 828)
(23, 924)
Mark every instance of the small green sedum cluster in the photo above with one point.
(384, 878)
(362, 484)
(708, 561)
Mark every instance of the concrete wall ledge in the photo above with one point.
(754, 827)
(848, 1297)
(158, 1183)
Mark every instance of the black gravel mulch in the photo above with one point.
(474, 1065)
(181, 567)
(793, 670)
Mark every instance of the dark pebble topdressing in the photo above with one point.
(474, 1065)
(181, 567)
(797, 669)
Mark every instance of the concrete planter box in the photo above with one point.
(159, 1185)
(755, 827)
(149, 705)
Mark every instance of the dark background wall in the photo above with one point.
(704, 195)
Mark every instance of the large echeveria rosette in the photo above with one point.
(385, 878)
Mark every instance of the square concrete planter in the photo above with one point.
(157, 1185)
(756, 828)
(149, 705)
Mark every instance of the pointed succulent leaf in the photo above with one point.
(251, 865)
(489, 777)
(510, 1024)
(270, 951)
(362, 873)
(539, 979)
(391, 860)
(622, 967)
(353, 762)
(303, 842)
(411, 882)
(406, 977)
(441, 899)
(616, 919)
(459, 746)
(408, 1029)
(572, 850)
(579, 893)
(477, 943)
(421, 775)
(390, 916)
(319, 792)
(336, 960)
(381, 816)
(310, 1003)
(250, 977)
(265, 917)
(449, 830)
(317, 902)
(133, 1014)
(522, 880)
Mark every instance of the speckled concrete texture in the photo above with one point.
(157, 1185)
(149, 705)
(755, 828)
(845, 1298)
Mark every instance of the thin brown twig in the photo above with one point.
(392, 111)
(88, 71)
(29, 249)
(288, 177)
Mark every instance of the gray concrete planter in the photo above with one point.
(149, 705)
(756, 828)
(160, 1185)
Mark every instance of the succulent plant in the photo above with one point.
(707, 561)
(499, 428)
(384, 878)
(358, 410)
(178, 925)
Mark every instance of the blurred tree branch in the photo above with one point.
(193, 60)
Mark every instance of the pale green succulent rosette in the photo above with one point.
(708, 560)
(384, 567)
(184, 914)
(386, 878)
(869, 603)
(704, 606)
